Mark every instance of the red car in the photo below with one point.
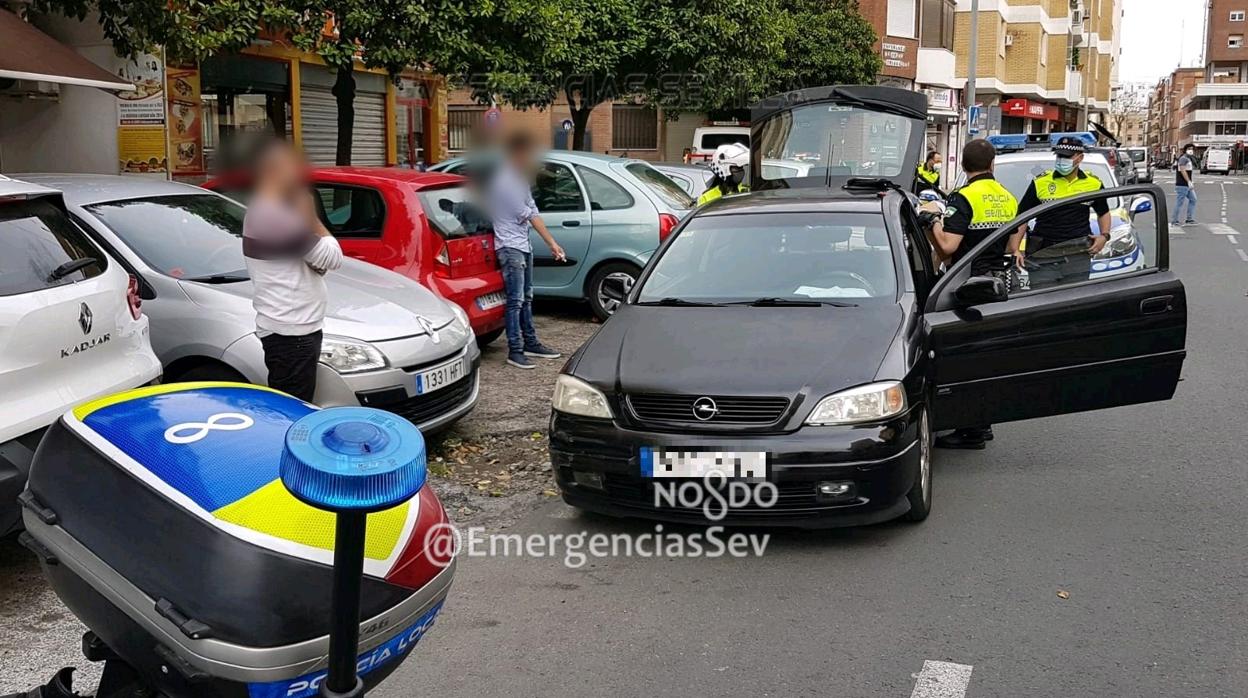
(420, 224)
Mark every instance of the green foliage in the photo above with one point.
(188, 29)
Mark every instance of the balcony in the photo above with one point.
(936, 66)
(1202, 115)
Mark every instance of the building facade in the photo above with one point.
(1041, 63)
(1216, 111)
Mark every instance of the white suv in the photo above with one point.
(70, 328)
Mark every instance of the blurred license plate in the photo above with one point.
(439, 377)
(656, 463)
(491, 300)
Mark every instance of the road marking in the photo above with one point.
(942, 680)
(1221, 229)
(1242, 255)
(1234, 240)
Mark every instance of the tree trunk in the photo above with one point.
(580, 121)
(344, 93)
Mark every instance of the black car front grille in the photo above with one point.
(422, 408)
(756, 411)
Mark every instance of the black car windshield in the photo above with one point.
(832, 257)
(196, 236)
(835, 140)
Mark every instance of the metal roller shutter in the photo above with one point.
(319, 115)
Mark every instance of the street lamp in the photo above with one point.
(971, 59)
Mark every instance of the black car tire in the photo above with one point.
(593, 289)
(210, 372)
(488, 337)
(920, 495)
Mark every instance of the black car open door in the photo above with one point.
(1106, 342)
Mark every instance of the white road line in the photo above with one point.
(942, 680)
(1234, 240)
(1221, 229)
(1242, 255)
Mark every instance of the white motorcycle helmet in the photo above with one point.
(727, 156)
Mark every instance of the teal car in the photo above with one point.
(607, 213)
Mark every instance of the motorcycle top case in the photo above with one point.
(163, 524)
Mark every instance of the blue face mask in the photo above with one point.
(1065, 166)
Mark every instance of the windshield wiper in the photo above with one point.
(874, 183)
(70, 267)
(219, 278)
(678, 302)
(794, 303)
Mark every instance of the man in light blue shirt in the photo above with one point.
(513, 211)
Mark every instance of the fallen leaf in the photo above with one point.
(1063, 594)
(550, 493)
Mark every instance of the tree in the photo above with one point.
(1126, 104)
(682, 55)
(388, 34)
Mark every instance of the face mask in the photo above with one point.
(1065, 166)
(936, 167)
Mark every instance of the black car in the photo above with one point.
(802, 336)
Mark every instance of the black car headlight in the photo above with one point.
(866, 403)
(575, 396)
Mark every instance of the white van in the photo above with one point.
(707, 138)
(1216, 160)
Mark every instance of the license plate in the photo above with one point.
(439, 377)
(491, 300)
(656, 463)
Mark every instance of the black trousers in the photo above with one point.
(291, 361)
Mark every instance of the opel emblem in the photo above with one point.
(429, 329)
(705, 409)
(84, 318)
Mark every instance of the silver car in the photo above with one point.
(389, 342)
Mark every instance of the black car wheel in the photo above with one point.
(603, 306)
(488, 337)
(920, 495)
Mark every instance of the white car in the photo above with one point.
(389, 343)
(71, 328)
(707, 138)
(1217, 159)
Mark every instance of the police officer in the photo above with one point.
(927, 175)
(729, 164)
(973, 212)
(1060, 248)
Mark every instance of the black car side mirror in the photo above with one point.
(981, 289)
(614, 290)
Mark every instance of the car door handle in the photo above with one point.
(1156, 305)
(571, 224)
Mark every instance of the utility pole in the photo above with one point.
(972, 59)
(1087, 64)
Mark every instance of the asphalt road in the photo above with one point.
(1135, 514)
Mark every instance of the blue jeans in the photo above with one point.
(517, 267)
(1182, 194)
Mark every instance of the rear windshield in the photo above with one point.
(1137, 155)
(454, 212)
(670, 192)
(197, 237)
(711, 141)
(36, 239)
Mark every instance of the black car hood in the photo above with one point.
(739, 350)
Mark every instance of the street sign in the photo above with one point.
(566, 125)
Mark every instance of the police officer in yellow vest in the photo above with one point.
(1061, 246)
(973, 212)
(729, 164)
(927, 176)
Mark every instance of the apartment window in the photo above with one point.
(903, 16)
(1235, 41)
(634, 127)
(462, 124)
(936, 26)
(1237, 15)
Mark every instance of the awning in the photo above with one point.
(28, 54)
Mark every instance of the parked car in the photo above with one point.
(1216, 159)
(71, 328)
(1143, 165)
(607, 213)
(1125, 252)
(389, 342)
(694, 179)
(405, 221)
(800, 337)
(1131, 172)
(707, 138)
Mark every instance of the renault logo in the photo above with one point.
(705, 409)
(84, 319)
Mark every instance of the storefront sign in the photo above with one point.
(186, 129)
(141, 116)
(940, 98)
(1030, 110)
(896, 55)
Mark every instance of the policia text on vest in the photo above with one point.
(974, 212)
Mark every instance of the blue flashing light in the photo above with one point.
(1088, 138)
(1008, 142)
(353, 459)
